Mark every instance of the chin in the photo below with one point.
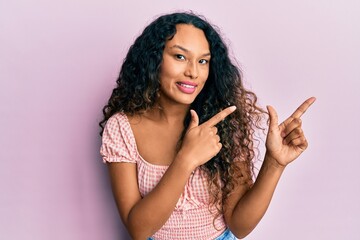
(187, 99)
(179, 98)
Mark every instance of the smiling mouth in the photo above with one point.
(187, 88)
(186, 85)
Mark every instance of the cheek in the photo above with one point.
(169, 70)
(204, 75)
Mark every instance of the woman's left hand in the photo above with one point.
(285, 142)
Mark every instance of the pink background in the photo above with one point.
(58, 64)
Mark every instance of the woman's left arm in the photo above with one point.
(284, 143)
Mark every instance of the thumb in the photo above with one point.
(273, 118)
(194, 120)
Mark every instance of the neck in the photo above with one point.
(171, 114)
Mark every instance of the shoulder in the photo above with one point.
(118, 144)
(117, 130)
(117, 123)
(118, 118)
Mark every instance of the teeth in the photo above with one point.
(186, 85)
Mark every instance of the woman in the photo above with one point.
(178, 137)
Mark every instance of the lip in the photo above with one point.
(186, 87)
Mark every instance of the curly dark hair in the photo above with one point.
(138, 84)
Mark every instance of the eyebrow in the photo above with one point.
(186, 50)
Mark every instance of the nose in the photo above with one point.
(192, 70)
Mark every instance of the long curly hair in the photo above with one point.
(138, 84)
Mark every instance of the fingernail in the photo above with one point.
(232, 108)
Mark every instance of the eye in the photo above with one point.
(180, 57)
(203, 61)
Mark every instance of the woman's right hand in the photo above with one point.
(201, 142)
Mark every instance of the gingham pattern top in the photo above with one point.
(191, 218)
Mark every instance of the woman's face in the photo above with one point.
(185, 66)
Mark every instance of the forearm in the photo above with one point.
(151, 212)
(252, 206)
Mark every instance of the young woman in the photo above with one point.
(178, 137)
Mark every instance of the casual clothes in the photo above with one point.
(227, 235)
(191, 218)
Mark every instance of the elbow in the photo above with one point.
(133, 232)
(139, 229)
(241, 235)
(137, 234)
(241, 230)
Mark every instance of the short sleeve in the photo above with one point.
(117, 141)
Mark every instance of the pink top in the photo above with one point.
(191, 218)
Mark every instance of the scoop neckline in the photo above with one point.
(136, 148)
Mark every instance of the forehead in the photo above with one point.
(191, 38)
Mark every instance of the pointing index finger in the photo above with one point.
(303, 107)
(219, 116)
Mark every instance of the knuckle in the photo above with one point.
(298, 131)
(218, 117)
(297, 121)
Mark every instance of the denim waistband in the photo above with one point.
(227, 235)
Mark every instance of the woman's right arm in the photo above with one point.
(144, 216)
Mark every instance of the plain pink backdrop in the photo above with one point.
(58, 64)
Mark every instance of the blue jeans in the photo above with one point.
(227, 235)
